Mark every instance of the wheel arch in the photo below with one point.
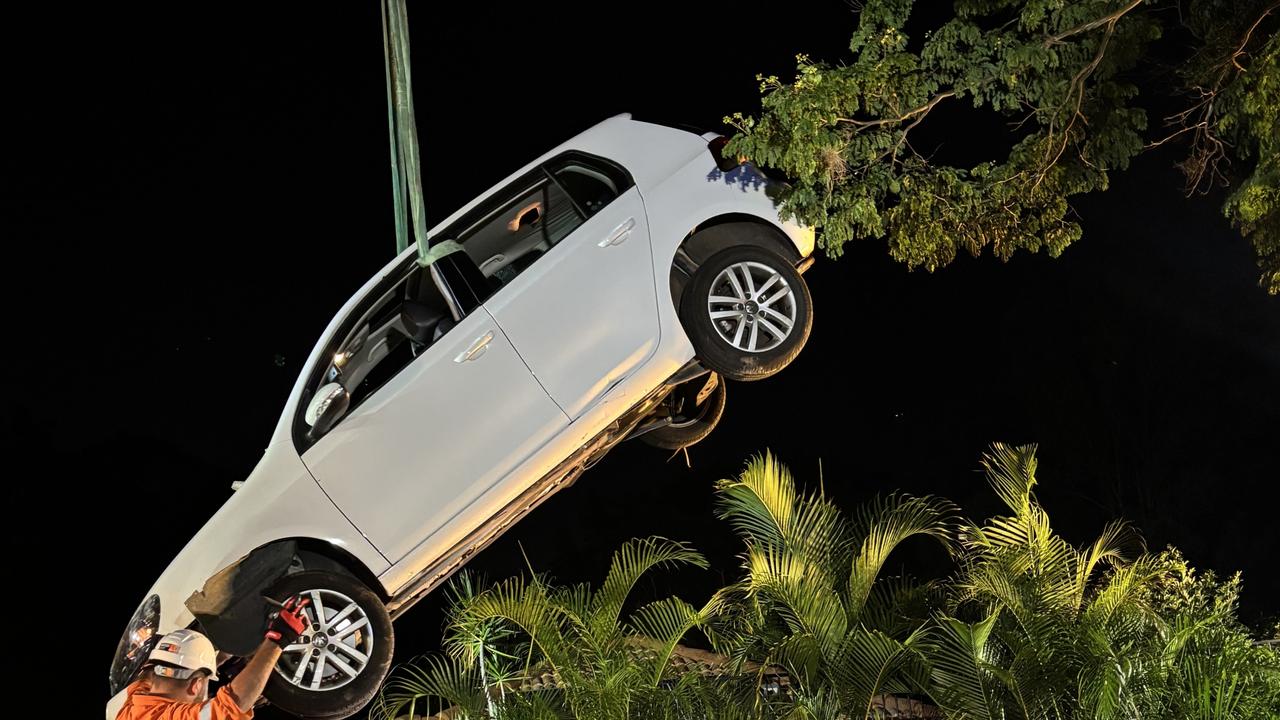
(719, 232)
(229, 607)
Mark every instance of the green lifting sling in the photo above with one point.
(406, 174)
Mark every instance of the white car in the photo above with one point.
(601, 292)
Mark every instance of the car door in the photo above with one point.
(433, 437)
(584, 316)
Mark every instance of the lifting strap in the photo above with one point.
(406, 175)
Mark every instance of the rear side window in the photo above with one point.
(590, 188)
(524, 221)
(510, 238)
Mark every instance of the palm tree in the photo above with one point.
(524, 648)
(1036, 630)
(810, 600)
(1041, 629)
(1028, 627)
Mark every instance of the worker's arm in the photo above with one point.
(283, 628)
(247, 686)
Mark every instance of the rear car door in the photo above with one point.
(584, 315)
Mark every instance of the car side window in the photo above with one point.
(397, 321)
(512, 237)
(590, 188)
(396, 329)
(535, 214)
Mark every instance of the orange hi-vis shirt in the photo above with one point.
(138, 705)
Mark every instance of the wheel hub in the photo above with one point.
(752, 307)
(337, 650)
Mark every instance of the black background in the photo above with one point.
(202, 188)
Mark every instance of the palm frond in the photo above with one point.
(666, 622)
(801, 655)
(526, 607)
(899, 604)
(870, 663)
(630, 563)
(1011, 472)
(759, 503)
(428, 685)
(961, 663)
(763, 505)
(798, 592)
(888, 522)
(1110, 548)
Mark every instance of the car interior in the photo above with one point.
(406, 320)
(499, 245)
(510, 240)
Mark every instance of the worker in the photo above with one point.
(174, 683)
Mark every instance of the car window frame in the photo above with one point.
(317, 373)
(494, 201)
(505, 195)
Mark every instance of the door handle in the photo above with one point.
(477, 348)
(619, 234)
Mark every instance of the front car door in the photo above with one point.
(440, 413)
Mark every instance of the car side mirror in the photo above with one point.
(326, 408)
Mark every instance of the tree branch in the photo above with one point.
(1077, 88)
(1248, 33)
(1098, 22)
(1202, 166)
(925, 108)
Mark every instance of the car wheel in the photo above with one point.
(338, 665)
(696, 408)
(747, 312)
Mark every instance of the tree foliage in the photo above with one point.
(1061, 75)
(526, 648)
(811, 599)
(1027, 627)
(1233, 82)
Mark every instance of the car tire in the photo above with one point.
(365, 630)
(725, 343)
(697, 420)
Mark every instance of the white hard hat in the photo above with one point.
(186, 649)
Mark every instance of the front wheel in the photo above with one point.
(747, 312)
(337, 666)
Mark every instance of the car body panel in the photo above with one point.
(592, 422)
(279, 501)
(585, 315)
(411, 457)
(698, 192)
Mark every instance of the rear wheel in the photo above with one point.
(694, 408)
(336, 667)
(747, 312)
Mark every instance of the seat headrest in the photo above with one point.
(420, 321)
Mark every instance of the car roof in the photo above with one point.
(650, 152)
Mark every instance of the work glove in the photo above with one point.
(285, 624)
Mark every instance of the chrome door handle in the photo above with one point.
(477, 348)
(619, 234)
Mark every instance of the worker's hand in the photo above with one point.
(286, 624)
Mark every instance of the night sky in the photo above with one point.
(205, 191)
